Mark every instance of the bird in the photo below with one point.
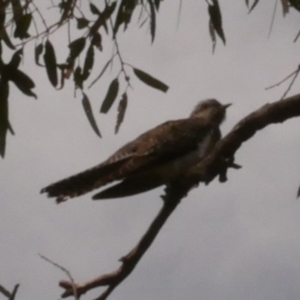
(155, 158)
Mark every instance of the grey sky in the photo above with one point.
(238, 240)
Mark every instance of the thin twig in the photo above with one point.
(67, 272)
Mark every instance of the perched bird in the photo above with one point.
(155, 158)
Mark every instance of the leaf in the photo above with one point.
(216, 19)
(88, 63)
(97, 40)
(151, 81)
(16, 58)
(285, 7)
(82, 23)
(38, 50)
(253, 5)
(213, 36)
(124, 14)
(298, 193)
(152, 20)
(75, 49)
(50, 63)
(4, 123)
(94, 10)
(6, 39)
(157, 3)
(121, 112)
(78, 78)
(89, 113)
(22, 27)
(110, 96)
(24, 83)
(247, 3)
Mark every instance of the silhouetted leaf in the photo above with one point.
(212, 36)
(6, 39)
(97, 40)
(109, 10)
(124, 14)
(89, 113)
(50, 63)
(37, 52)
(298, 194)
(110, 96)
(22, 27)
(216, 19)
(75, 49)
(20, 79)
(253, 5)
(88, 63)
(151, 81)
(16, 58)
(285, 6)
(157, 3)
(121, 112)
(152, 20)
(82, 23)
(66, 7)
(17, 10)
(4, 123)
(247, 3)
(78, 78)
(94, 10)
(295, 4)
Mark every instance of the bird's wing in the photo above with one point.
(162, 143)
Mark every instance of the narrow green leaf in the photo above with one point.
(76, 48)
(6, 39)
(253, 5)
(97, 40)
(212, 36)
(24, 83)
(88, 63)
(22, 27)
(37, 53)
(151, 81)
(89, 113)
(50, 63)
(121, 112)
(285, 7)
(216, 19)
(78, 78)
(110, 96)
(4, 123)
(82, 23)
(94, 10)
(157, 3)
(152, 20)
(16, 58)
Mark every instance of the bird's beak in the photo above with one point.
(227, 105)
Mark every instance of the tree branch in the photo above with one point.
(222, 156)
(215, 164)
(129, 261)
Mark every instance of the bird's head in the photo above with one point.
(210, 110)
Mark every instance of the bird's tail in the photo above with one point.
(83, 182)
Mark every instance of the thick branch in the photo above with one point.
(216, 163)
(129, 261)
(223, 153)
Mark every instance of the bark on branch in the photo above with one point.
(215, 164)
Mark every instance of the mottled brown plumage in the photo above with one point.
(156, 157)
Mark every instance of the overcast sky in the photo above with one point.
(238, 240)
